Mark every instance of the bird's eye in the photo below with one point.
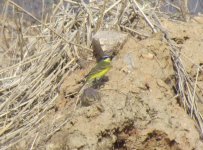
(105, 57)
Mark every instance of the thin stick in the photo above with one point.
(34, 141)
(194, 91)
(146, 18)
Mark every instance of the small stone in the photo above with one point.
(90, 96)
(148, 56)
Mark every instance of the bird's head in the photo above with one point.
(106, 58)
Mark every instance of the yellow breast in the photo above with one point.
(100, 74)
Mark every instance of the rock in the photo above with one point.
(108, 43)
(90, 96)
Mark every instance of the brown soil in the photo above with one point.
(140, 106)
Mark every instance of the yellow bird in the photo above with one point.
(100, 70)
(89, 94)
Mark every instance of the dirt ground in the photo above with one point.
(140, 110)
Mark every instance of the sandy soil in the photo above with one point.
(140, 109)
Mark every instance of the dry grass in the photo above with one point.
(38, 57)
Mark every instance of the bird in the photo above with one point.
(96, 73)
(100, 70)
